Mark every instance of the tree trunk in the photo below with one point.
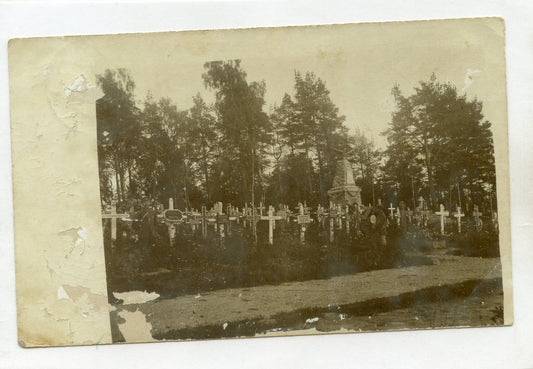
(429, 169)
(206, 173)
(307, 161)
(117, 180)
(320, 176)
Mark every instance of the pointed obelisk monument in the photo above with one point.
(344, 190)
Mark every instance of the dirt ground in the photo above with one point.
(455, 291)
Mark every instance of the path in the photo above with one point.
(240, 304)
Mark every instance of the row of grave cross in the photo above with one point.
(249, 216)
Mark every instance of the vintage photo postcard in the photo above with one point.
(260, 182)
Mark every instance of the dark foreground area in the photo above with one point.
(196, 264)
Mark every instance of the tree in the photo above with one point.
(117, 133)
(367, 161)
(318, 127)
(201, 140)
(445, 133)
(244, 128)
(163, 168)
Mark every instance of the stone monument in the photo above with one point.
(344, 190)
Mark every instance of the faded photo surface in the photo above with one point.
(259, 182)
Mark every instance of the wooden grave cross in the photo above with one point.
(113, 216)
(221, 221)
(339, 216)
(458, 215)
(391, 210)
(347, 218)
(204, 219)
(443, 213)
(193, 218)
(261, 208)
(171, 217)
(271, 223)
(333, 214)
(231, 216)
(283, 213)
(303, 219)
(398, 215)
(245, 215)
(320, 214)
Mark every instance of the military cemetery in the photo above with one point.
(225, 209)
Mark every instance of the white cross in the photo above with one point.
(391, 210)
(398, 215)
(443, 213)
(271, 222)
(458, 215)
(113, 216)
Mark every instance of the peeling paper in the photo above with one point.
(58, 236)
(79, 85)
(135, 328)
(61, 294)
(135, 297)
(469, 77)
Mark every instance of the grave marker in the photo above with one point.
(332, 216)
(347, 218)
(271, 223)
(458, 215)
(443, 213)
(391, 210)
(172, 216)
(339, 217)
(113, 216)
(261, 208)
(303, 220)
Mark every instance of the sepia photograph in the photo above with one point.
(303, 180)
(260, 182)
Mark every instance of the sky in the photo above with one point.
(359, 63)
